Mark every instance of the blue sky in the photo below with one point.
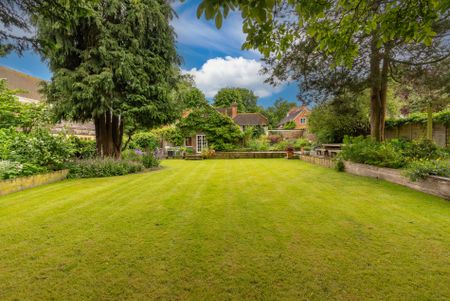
(214, 57)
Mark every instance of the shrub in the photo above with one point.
(273, 139)
(290, 125)
(149, 160)
(83, 149)
(260, 144)
(339, 166)
(107, 167)
(301, 142)
(368, 151)
(38, 148)
(280, 146)
(144, 141)
(420, 169)
(132, 155)
(10, 169)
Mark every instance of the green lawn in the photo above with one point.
(225, 229)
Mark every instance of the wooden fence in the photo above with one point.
(412, 131)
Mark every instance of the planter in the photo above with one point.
(19, 184)
(434, 185)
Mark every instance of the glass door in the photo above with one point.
(202, 143)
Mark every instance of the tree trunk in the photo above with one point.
(375, 89)
(430, 122)
(378, 79)
(108, 135)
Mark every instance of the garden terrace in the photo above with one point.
(225, 229)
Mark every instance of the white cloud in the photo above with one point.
(225, 72)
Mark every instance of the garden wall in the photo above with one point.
(411, 131)
(14, 185)
(438, 186)
(288, 134)
(325, 162)
(249, 155)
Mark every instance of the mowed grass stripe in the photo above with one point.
(223, 230)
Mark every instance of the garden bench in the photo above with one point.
(321, 151)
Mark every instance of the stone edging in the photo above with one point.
(19, 184)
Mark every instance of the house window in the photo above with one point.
(303, 120)
(188, 141)
(202, 143)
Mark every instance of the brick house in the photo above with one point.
(299, 115)
(28, 87)
(199, 141)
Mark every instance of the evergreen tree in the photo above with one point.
(113, 63)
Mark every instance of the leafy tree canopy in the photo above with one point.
(14, 114)
(277, 111)
(346, 115)
(336, 47)
(245, 98)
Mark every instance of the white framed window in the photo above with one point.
(202, 143)
(303, 120)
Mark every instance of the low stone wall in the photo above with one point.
(325, 162)
(438, 186)
(14, 185)
(249, 155)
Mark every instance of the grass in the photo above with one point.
(225, 229)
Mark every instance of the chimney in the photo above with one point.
(234, 110)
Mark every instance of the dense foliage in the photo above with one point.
(420, 118)
(144, 141)
(34, 152)
(222, 133)
(276, 112)
(113, 62)
(331, 122)
(332, 47)
(393, 153)
(102, 167)
(245, 99)
(418, 170)
(15, 114)
(290, 125)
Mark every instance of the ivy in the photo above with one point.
(222, 133)
(420, 118)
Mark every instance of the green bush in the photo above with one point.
(144, 141)
(420, 169)
(301, 142)
(107, 167)
(260, 144)
(280, 146)
(368, 151)
(339, 166)
(132, 155)
(83, 149)
(396, 153)
(38, 148)
(149, 160)
(10, 169)
(290, 125)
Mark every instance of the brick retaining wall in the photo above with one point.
(14, 185)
